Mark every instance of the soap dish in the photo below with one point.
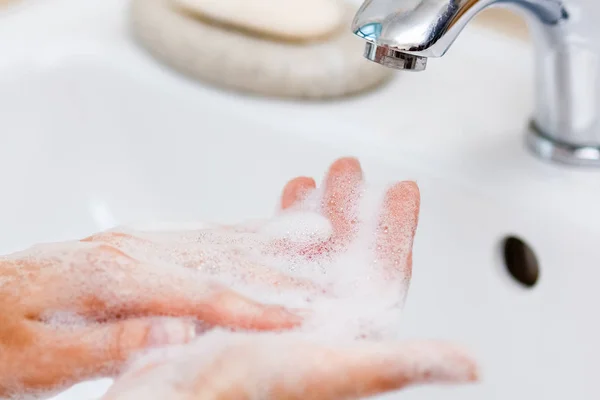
(328, 68)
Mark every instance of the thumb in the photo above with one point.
(74, 354)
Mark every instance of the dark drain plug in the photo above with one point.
(521, 262)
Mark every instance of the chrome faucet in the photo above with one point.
(565, 126)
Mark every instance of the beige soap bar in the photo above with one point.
(296, 20)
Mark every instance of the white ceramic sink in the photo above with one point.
(93, 133)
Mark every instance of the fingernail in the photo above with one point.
(166, 331)
(457, 366)
(286, 317)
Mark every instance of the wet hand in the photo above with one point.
(239, 251)
(227, 366)
(74, 311)
(77, 310)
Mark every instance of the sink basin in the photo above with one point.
(96, 133)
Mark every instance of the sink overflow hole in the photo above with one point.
(520, 261)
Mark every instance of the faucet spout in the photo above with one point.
(565, 126)
(427, 28)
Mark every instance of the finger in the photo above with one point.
(196, 298)
(230, 309)
(340, 199)
(249, 272)
(65, 355)
(397, 227)
(216, 305)
(113, 285)
(249, 368)
(296, 190)
(119, 286)
(371, 369)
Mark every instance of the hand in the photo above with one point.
(232, 250)
(78, 310)
(239, 254)
(87, 306)
(340, 202)
(240, 366)
(223, 365)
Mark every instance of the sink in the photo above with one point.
(96, 133)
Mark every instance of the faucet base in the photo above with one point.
(549, 149)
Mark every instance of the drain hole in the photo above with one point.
(521, 262)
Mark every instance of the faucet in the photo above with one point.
(565, 126)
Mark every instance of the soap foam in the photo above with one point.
(349, 292)
(351, 296)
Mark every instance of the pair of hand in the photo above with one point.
(79, 310)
